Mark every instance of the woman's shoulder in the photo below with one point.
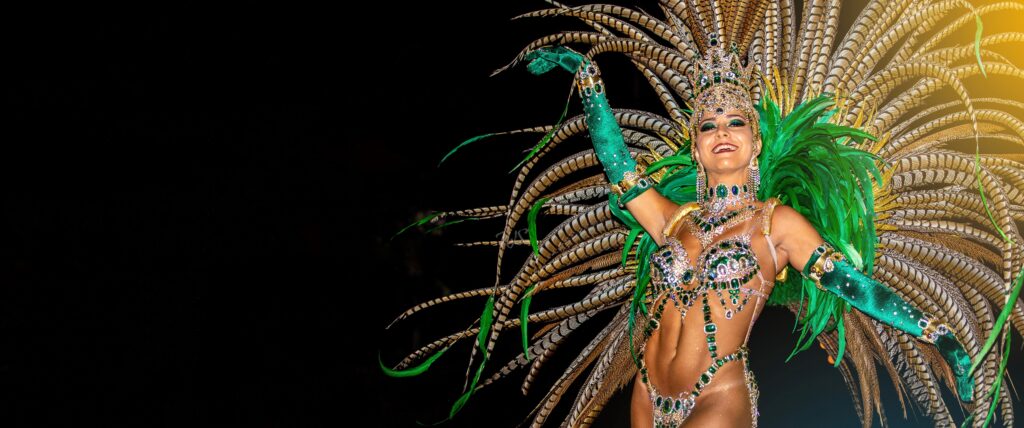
(785, 219)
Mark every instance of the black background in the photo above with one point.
(198, 209)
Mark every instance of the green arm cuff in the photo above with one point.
(829, 269)
(604, 130)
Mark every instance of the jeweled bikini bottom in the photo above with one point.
(672, 411)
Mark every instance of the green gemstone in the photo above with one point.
(721, 190)
(710, 328)
(704, 378)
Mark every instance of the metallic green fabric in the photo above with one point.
(881, 303)
(868, 296)
(604, 130)
(606, 135)
(955, 355)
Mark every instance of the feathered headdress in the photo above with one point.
(903, 207)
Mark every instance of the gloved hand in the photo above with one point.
(604, 130)
(829, 269)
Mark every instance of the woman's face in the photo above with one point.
(725, 142)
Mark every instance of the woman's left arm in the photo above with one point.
(801, 246)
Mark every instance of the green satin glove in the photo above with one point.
(604, 131)
(829, 269)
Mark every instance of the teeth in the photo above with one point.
(723, 147)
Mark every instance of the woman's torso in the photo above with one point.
(677, 353)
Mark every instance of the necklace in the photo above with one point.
(720, 197)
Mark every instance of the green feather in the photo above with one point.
(415, 371)
(997, 329)
(547, 137)
(622, 215)
(464, 143)
(994, 395)
(531, 221)
(630, 239)
(419, 222)
(842, 344)
(524, 315)
(486, 319)
(461, 402)
(485, 325)
(807, 165)
(442, 226)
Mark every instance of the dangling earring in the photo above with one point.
(755, 176)
(702, 183)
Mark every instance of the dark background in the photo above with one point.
(198, 205)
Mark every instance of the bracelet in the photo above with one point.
(930, 329)
(629, 180)
(633, 183)
(822, 261)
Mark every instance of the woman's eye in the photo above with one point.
(707, 127)
(737, 122)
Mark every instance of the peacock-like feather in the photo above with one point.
(852, 140)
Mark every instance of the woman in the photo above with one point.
(677, 353)
(696, 274)
(720, 252)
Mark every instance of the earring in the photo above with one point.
(702, 184)
(755, 176)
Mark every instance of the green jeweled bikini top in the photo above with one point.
(725, 266)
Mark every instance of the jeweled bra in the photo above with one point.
(726, 266)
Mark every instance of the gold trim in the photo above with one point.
(824, 264)
(677, 216)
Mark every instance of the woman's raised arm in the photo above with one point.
(634, 190)
(802, 247)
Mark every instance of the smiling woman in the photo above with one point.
(770, 191)
(727, 147)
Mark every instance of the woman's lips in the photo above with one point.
(723, 148)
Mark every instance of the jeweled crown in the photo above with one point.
(720, 81)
